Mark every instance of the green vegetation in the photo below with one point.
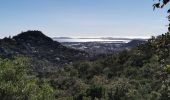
(19, 83)
(140, 74)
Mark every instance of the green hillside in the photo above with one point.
(139, 74)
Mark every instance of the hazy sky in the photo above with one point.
(82, 18)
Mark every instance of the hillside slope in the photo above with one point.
(35, 44)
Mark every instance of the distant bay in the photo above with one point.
(92, 40)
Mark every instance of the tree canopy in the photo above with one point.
(160, 3)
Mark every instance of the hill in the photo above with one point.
(37, 45)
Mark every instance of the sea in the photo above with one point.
(93, 40)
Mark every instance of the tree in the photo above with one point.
(165, 75)
(160, 3)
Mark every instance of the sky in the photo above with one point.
(82, 18)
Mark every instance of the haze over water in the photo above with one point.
(93, 40)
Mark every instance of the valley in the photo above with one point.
(100, 45)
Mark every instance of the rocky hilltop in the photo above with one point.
(37, 45)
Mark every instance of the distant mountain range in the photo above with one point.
(62, 38)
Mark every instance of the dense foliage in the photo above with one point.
(140, 74)
(19, 83)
